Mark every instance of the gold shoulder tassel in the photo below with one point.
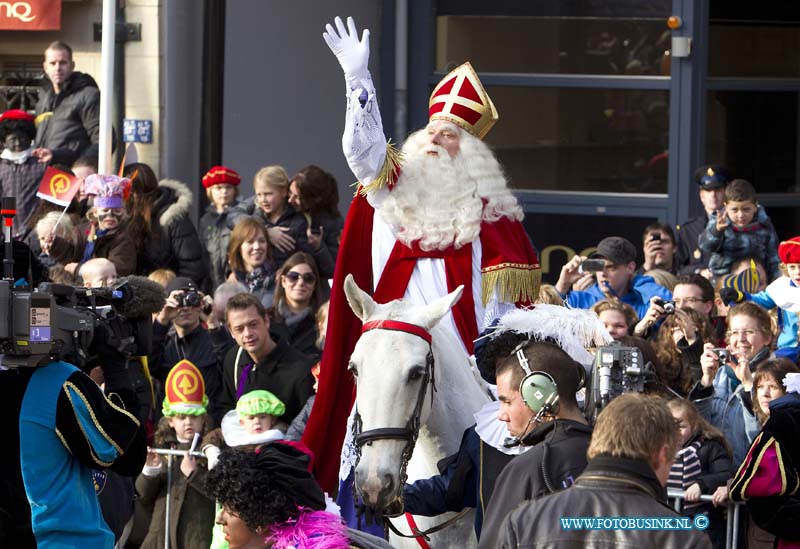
(388, 173)
(514, 282)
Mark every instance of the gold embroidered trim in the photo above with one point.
(388, 174)
(63, 441)
(513, 282)
(70, 385)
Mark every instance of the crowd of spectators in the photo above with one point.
(713, 307)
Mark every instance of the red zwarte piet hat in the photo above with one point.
(789, 250)
(16, 114)
(219, 175)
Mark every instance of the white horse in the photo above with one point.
(396, 380)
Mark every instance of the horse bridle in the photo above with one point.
(410, 432)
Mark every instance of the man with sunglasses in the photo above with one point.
(711, 181)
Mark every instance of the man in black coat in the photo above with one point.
(620, 499)
(711, 182)
(557, 444)
(261, 360)
(68, 111)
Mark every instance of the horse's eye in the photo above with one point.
(353, 370)
(415, 374)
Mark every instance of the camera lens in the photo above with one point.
(191, 299)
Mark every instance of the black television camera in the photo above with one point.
(59, 322)
(617, 370)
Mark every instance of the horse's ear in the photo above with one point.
(434, 312)
(360, 302)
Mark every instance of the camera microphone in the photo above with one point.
(141, 297)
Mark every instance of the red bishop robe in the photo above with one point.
(509, 267)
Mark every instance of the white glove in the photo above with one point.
(353, 55)
(212, 454)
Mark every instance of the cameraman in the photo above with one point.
(57, 427)
(179, 335)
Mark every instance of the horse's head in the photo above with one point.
(393, 368)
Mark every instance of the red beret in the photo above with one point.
(789, 250)
(219, 175)
(16, 114)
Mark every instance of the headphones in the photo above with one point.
(538, 389)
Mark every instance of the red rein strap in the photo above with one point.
(415, 530)
(397, 326)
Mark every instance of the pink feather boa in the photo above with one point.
(310, 530)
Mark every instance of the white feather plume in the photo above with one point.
(792, 383)
(572, 329)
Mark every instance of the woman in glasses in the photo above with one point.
(298, 295)
(724, 393)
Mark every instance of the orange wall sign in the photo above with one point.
(31, 15)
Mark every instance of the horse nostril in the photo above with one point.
(388, 484)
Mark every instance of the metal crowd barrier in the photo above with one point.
(732, 520)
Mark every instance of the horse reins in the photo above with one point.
(410, 432)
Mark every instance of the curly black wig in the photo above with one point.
(493, 349)
(266, 486)
(12, 125)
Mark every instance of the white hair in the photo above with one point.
(441, 201)
(64, 229)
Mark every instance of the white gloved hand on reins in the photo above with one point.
(352, 53)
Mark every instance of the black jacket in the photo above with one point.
(197, 347)
(215, 234)
(69, 122)
(173, 242)
(22, 182)
(690, 258)
(609, 487)
(716, 469)
(285, 372)
(559, 448)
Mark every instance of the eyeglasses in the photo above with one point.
(740, 333)
(688, 300)
(294, 276)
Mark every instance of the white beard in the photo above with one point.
(439, 201)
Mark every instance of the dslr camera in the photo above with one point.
(189, 298)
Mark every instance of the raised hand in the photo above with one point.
(352, 53)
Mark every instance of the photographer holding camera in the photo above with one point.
(178, 334)
(723, 394)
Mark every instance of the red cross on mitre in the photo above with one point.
(460, 98)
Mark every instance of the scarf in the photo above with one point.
(16, 157)
(256, 279)
(686, 470)
(290, 318)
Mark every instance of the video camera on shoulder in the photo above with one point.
(56, 321)
(617, 370)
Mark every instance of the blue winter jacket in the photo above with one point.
(642, 289)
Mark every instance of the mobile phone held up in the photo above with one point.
(592, 266)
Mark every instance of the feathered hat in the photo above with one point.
(259, 402)
(460, 98)
(110, 191)
(571, 329)
(185, 391)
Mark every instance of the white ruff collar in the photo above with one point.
(493, 431)
(16, 157)
(235, 435)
